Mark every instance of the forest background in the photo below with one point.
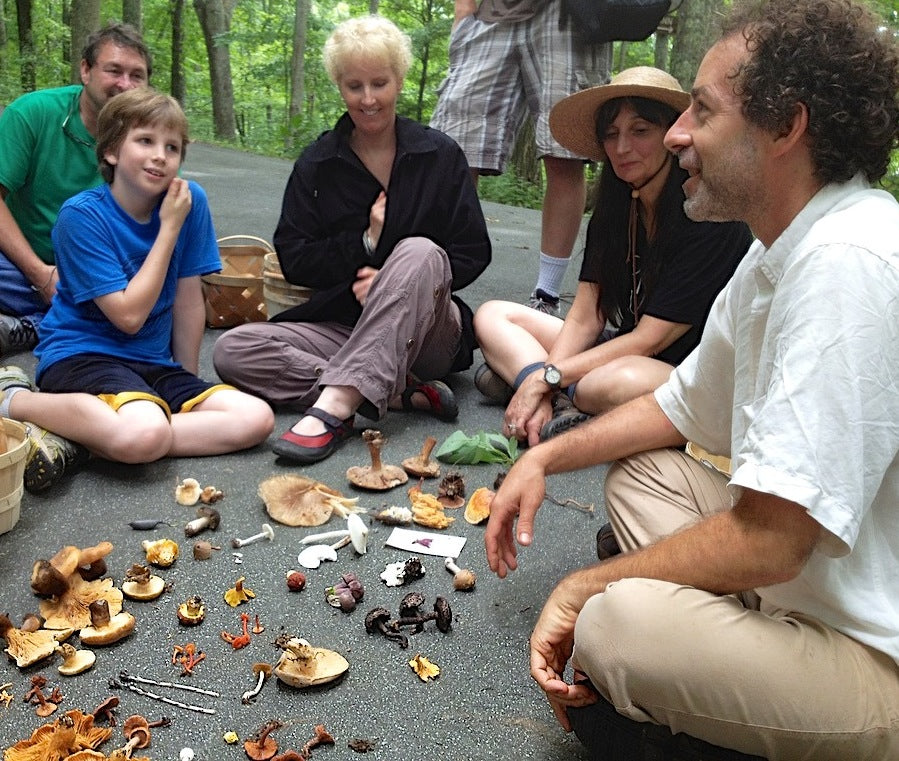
(249, 72)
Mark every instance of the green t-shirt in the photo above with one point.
(42, 162)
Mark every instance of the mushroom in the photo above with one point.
(141, 584)
(358, 533)
(261, 746)
(210, 494)
(137, 732)
(31, 622)
(296, 500)
(296, 581)
(427, 510)
(203, 549)
(409, 615)
(105, 628)
(188, 492)
(192, 611)
(72, 609)
(207, 517)
(267, 532)
(261, 671)
(478, 508)
(463, 579)
(161, 553)
(396, 574)
(378, 620)
(239, 593)
(302, 665)
(52, 578)
(313, 556)
(345, 593)
(424, 668)
(377, 476)
(75, 661)
(322, 737)
(394, 516)
(45, 704)
(70, 734)
(451, 492)
(27, 647)
(422, 466)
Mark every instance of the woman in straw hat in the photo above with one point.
(648, 278)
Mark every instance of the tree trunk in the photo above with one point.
(178, 86)
(373, 6)
(3, 33)
(84, 21)
(695, 31)
(663, 36)
(427, 10)
(27, 70)
(215, 18)
(132, 13)
(297, 66)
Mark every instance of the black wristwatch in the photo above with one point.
(552, 377)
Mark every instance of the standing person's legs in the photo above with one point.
(556, 64)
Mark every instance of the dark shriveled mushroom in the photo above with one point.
(377, 620)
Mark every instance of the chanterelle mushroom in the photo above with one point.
(72, 609)
(27, 647)
(68, 737)
(162, 552)
(377, 476)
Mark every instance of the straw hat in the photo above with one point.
(572, 120)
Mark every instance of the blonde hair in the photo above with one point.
(136, 108)
(368, 37)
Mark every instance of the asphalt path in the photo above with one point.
(483, 705)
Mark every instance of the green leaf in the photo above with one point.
(483, 447)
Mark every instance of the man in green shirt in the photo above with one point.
(47, 155)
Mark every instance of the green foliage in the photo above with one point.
(512, 190)
(483, 447)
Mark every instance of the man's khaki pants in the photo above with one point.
(765, 682)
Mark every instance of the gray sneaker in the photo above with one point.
(49, 458)
(543, 302)
(17, 334)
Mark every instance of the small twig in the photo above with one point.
(126, 677)
(587, 508)
(114, 685)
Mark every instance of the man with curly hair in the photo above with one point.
(755, 606)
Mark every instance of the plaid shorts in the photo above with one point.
(500, 72)
(119, 381)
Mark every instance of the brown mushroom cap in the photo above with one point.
(136, 728)
(120, 626)
(295, 500)
(422, 466)
(377, 476)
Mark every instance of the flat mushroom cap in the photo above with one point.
(75, 661)
(302, 665)
(296, 500)
(27, 647)
(120, 626)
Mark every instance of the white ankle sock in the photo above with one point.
(6, 397)
(550, 275)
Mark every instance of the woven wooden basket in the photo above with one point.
(234, 295)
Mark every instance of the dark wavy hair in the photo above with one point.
(836, 57)
(121, 35)
(607, 235)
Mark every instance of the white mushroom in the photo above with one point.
(313, 556)
(325, 536)
(358, 533)
(75, 661)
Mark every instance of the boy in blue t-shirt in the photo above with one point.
(119, 348)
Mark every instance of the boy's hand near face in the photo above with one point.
(176, 204)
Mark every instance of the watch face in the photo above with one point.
(552, 375)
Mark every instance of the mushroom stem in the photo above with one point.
(463, 579)
(427, 448)
(325, 536)
(374, 449)
(267, 533)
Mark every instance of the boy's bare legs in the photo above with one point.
(139, 431)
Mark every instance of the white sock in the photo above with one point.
(551, 273)
(6, 397)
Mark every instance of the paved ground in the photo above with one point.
(484, 704)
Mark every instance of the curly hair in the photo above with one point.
(835, 57)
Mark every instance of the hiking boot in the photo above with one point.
(49, 458)
(606, 543)
(564, 421)
(543, 302)
(10, 376)
(491, 385)
(17, 334)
